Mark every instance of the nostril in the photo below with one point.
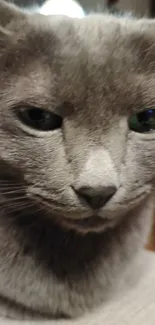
(96, 202)
(96, 197)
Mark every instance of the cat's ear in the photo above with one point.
(8, 13)
(142, 42)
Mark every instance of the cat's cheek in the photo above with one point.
(137, 175)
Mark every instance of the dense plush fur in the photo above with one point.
(58, 257)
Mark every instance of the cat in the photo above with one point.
(77, 152)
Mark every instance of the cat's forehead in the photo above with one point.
(93, 59)
(95, 44)
(95, 37)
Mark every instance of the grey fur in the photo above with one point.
(50, 266)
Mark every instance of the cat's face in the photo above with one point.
(86, 169)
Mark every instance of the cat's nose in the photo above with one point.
(96, 197)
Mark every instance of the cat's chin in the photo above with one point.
(93, 224)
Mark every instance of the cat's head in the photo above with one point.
(72, 135)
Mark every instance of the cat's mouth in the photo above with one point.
(86, 225)
(83, 225)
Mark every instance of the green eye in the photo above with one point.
(143, 122)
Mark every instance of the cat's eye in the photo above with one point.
(40, 119)
(143, 122)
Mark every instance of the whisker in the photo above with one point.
(40, 209)
(14, 202)
(4, 187)
(6, 181)
(14, 199)
(12, 191)
(18, 217)
(18, 207)
(10, 186)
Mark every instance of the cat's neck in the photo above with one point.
(72, 272)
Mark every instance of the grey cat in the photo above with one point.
(77, 152)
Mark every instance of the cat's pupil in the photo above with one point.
(143, 122)
(147, 117)
(40, 119)
(38, 115)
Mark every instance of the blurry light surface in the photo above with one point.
(62, 7)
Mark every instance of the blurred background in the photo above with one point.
(81, 7)
(138, 7)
